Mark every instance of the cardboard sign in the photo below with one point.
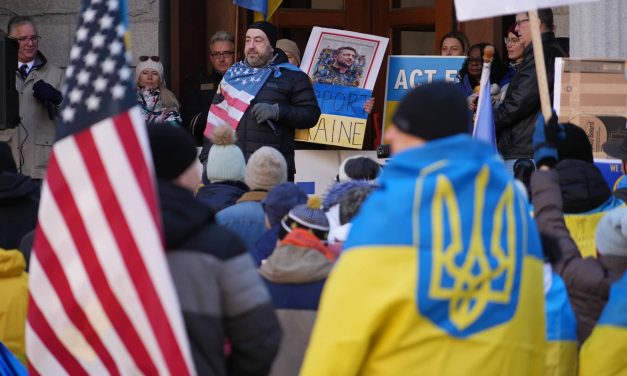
(343, 66)
(343, 119)
(592, 94)
(406, 72)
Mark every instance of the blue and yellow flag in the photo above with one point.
(484, 121)
(561, 328)
(605, 351)
(264, 9)
(441, 273)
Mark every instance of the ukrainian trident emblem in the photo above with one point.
(469, 279)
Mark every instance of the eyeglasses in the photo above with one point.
(511, 40)
(519, 22)
(153, 58)
(28, 38)
(222, 55)
(475, 61)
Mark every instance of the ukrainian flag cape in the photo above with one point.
(442, 273)
(605, 351)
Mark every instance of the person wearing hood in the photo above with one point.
(19, 201)
(39, 83)
(587, 278)
(420, 287)
(586, 195)
(295, 274)
(285, 102)
(224, 303)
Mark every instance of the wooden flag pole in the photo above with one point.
(538, 54)
(236, 32)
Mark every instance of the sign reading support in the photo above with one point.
(406, 72)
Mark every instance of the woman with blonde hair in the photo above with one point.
(160, 106)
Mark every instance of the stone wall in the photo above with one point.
(56, 22)
(599, 29)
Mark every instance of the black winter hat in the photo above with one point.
(267, 28)
(173, 150)
(575, 145)
(433, 111)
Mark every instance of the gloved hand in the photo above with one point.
(266, 111)
(48, 96)
(43, 91)
(545, 137)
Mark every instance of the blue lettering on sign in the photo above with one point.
(342, 100)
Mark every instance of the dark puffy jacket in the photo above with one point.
(298, 108)
(221, 195)
(582, 186)
(19, 201)
(514, 119)
(219, 290)
(587, 280)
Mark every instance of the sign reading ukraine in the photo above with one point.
(343, 67)
(478, 234)
(406, 72)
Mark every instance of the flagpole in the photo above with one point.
(488, 54)
(236, 31)
(538, 54)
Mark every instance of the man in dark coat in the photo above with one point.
(200, 89)
(285, 102)
(229, 318)
(515, 117)
(19, 201)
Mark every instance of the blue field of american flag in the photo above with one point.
(101, 297)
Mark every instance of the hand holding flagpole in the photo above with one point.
(538, 54)
(484, 121)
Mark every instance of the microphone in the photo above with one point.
(272, 126)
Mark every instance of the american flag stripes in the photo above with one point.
(238, 88)
(101, 297)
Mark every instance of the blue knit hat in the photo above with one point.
(309, 217)
(281, 199)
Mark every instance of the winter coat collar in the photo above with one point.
(15, 186)
(182, 215)
(292, 262)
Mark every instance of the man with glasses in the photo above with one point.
(39, 85)
(200, 90)
(515, 117)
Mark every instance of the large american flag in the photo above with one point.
(238, 88)
(101, 297)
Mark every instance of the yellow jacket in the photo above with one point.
(13, 301)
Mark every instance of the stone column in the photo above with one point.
(599, 29)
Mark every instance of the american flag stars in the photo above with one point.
(98, 71)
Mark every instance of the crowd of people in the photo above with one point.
(447, 259)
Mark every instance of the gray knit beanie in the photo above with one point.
(611, 235)
(266, 168)
(225, 161)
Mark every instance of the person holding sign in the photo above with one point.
(514, 119)
(264, 98)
